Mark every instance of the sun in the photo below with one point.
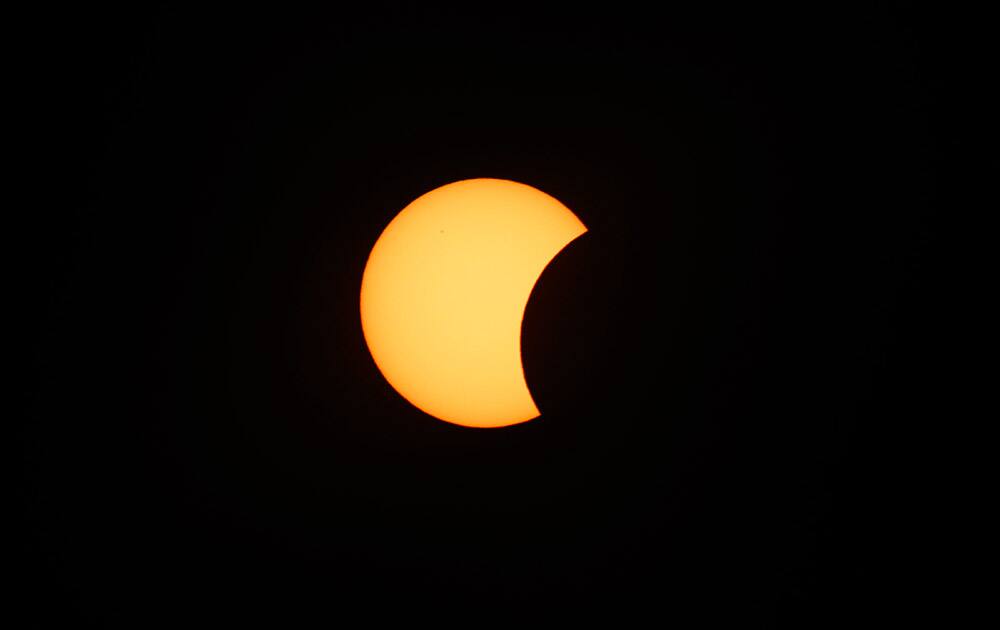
(444, 292)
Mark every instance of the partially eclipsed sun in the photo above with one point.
(444, 292)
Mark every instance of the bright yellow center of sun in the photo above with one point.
(444, 293)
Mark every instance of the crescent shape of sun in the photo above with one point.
(444, 291)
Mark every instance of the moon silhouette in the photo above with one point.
(444, 292)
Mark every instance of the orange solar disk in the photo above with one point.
(444, 292)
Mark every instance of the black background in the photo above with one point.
(730, 364)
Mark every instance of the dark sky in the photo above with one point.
(730, 364)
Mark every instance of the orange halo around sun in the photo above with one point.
(444, 292)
